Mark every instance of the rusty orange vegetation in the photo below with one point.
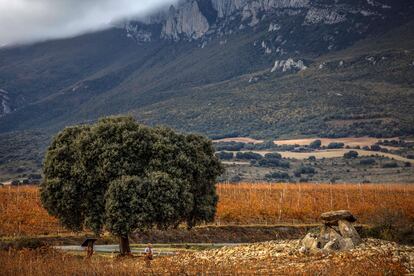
(252, 203)
(21, 212)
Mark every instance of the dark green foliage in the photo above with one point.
(248, 156)
(266, 145)
(273, 163)
(375, 147)
(229, 146)
(351, 154)
(124, 207)
(224, 155)
(235, 179)
(367, 161)
(304, 170)
(63, 189)
(134, 203)
(277, 175)
(273, 155)
(123, 175)
(335, 145)
(315, 144)
(390, 165)
(196, 163)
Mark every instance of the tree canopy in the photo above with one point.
(120, 175)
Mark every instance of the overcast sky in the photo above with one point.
(23, 21)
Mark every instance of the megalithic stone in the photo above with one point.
(347, 230)
(332, 218)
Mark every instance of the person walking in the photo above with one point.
(148, 255)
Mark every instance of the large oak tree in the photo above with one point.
(122, 176)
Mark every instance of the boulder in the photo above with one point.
(347, 230)
(339, 244)
(333, 245)
(327, 234)
(332, 218)
(346, 244)
(311, 242)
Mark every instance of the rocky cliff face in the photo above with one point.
(186, 21)
(4, 103)
(207, 19)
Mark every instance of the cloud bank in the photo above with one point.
(25, 21)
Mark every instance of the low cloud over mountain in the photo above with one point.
(23, 21)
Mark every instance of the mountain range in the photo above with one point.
(258, 68)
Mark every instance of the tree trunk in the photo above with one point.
(124, 248)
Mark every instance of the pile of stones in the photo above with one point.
(336, 234)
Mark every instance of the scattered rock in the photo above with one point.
(286, 253)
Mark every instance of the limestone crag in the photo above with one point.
(140, 35)
(288, 65)
(197, 19)
(326, 16)
(4, 103)
(186, 21)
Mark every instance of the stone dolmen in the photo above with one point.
(337, 233)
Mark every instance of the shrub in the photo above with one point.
(367, 161)
(312, 158)
(274, 162)
(277, 175)
(224, 155)
(390, 165)
(304, 170)
(248, 156)
(229, 146)
(351, 154)
(375, 147)
(273, 155)
(315, 144)
(335, 145)
(236, 179)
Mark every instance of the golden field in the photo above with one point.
(21, 212)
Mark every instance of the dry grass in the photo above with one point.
(21, 212)
(50, 262)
